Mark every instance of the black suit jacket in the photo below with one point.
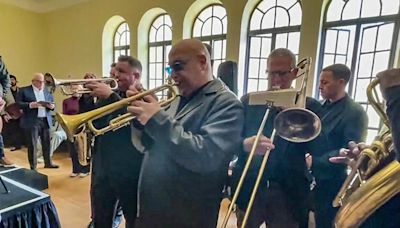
(29, 119)
(344, 121)
(286, 163)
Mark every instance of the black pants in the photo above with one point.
(324, 194)
(41, 128)
(76, 166)
(271, 206)
(13, 134)
(106, 192)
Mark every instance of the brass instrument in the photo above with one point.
(74, 124)
(295, 124)
(374, 180)
(65, 85)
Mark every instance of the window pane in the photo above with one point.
(334, 10)
(365, 65)
(282, 18)
(390, 7)
(352, 9)
(373, 117)
(294, 42)
(330, 41)
(268, 20)
(255, 20)
(197, 28)
(369, 39)
(370, 8)
(265, 46)
(254, 65)
(219, 11)
(295, 15)
(206, 30)
(360, 95)
(216, 26)
(371, 135)
(381, 62)
(385, 36)
(343, 40)
(255, 46)
(252, 85)
(281, 40)
(159, 54)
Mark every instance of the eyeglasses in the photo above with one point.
(177, 66)
(278, 73)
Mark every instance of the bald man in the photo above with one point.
(36, 103)
(187, 145)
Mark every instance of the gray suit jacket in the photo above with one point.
(187, 154)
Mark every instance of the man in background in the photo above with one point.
(36, 103)
(13, 134)
(4, 88)
(343, 120)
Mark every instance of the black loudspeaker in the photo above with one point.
(227, 72)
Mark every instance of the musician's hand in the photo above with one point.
(136, 89)
(348, 156)
(99, 89)
(144, 109)
(263, 145)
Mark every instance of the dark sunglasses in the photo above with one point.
(176, 67)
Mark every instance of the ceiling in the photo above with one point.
(42, 6)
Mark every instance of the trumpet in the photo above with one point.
(65, 85)
(75, 124)
(295, 124)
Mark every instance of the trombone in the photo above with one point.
(295, 124)
(66, 84)
(74, 124)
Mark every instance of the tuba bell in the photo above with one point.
(375, 178)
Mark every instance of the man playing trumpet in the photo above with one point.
(116, 163)
(187, 145)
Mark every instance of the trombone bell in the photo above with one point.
(297, 125)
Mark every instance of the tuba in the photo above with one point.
(295, 124)
(374, 180)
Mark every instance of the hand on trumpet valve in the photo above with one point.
(143, 109)
(349, 156)
(99, 89)
(263, 145)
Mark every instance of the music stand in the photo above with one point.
(4, 185)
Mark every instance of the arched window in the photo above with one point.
(361, 34)
(273, 24)
(122, 39)
(210, 27)
(160, 40)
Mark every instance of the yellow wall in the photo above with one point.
(69, 41)
(22, 42)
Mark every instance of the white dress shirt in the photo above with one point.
(39, 94)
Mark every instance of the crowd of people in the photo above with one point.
(169, 166)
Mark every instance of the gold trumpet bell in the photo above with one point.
(297, 125)
(72, 124)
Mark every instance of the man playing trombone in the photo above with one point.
(282, 194)
(187, 145)
(116, 163)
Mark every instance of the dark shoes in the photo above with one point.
(51, 166)
(15, 148)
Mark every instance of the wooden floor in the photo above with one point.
(71, 195)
